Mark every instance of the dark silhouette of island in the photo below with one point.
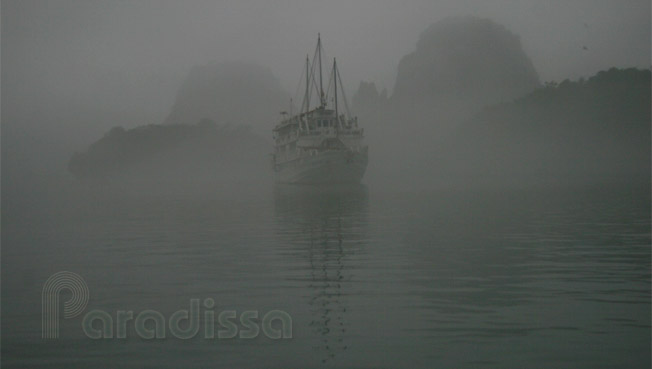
(217, 130)
(592, 130)
(465, 58)
(467, 108)
(233, 93)
(459, 66)
(367, 98)
(202, 152)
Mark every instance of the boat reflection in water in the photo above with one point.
(325, 230)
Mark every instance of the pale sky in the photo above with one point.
(126, 53)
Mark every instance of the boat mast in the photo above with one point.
(321, 85)
(307, 89)
(337, 117)
(346, 104)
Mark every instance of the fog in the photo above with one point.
(496, 156)
(92, 47)
(71, 70)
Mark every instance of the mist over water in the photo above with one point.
(503, 219)
(467, 279)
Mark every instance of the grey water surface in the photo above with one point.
(554, 278)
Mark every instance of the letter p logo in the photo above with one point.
(50, 301)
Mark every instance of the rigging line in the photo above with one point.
(324, 55)
(311, 77)
(312, 73)
(314, 59)
(321, 82)
(296, 92)
(306, 98)
(314, 82)
(330, 83)
(315, 85)
(346, 104)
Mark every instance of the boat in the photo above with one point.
(319, 144)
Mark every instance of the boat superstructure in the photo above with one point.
(319, 144)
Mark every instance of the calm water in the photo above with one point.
(522, 278)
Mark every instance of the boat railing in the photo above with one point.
(328, 132)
